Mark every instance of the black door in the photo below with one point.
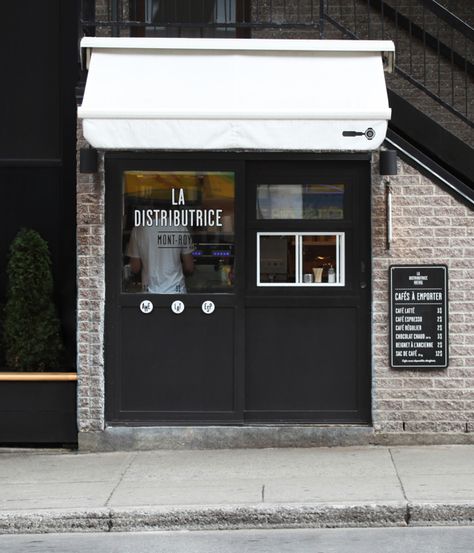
(174, 362)
(272, 324)
(307, 298)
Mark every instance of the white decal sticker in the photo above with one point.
(177, 307)
(208, 307)
(146, 306)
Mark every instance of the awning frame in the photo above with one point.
(151, 114)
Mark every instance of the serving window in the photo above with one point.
(306, 259)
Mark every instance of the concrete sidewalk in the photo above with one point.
(243, 488)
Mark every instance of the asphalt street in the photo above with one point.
(356, 540)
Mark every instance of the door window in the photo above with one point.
(178, 232)
(300, 201)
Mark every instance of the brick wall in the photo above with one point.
(90, 297)
(429, 226)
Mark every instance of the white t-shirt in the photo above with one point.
(159, 249)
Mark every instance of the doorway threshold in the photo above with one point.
(142, 438)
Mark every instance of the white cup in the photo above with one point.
(318, 274)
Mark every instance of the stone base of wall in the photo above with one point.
(233, 437)
(223, 437)
(415, 438)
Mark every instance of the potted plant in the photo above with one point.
(37, 399)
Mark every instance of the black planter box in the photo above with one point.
(38, 412)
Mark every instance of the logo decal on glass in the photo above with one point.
(208, 307)
(146, 306)
(177, 307)
(177, 227)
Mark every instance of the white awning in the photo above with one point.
(221, 94)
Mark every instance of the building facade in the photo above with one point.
(290, 331)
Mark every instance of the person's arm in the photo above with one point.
(135, 264)
(133, 252)
(188, 263)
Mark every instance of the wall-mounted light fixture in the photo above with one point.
(88, 160)
(387, 167)
(388, 162)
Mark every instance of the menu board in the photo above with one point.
(418, 316)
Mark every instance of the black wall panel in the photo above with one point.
(39, 70)
(31, 93)
(37, 198)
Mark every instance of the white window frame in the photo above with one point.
(340, 260)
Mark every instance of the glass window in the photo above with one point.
(185, 18)
(277, 259)
(178, 232)
(300, 201)
(300, 259)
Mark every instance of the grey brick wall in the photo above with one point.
(90, 297)
(430, 226)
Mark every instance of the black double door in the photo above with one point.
(287, 276)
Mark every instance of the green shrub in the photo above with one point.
(32, 340)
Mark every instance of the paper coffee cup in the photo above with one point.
(318, 274)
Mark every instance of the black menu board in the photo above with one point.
(418, 316)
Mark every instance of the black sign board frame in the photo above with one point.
(419, 316)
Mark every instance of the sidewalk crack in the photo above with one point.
(122, 474)
(402, 487)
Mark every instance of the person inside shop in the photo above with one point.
(164, 257)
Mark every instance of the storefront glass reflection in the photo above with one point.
(184, 18)
(277, 259)
(300, 201)
(178, 232)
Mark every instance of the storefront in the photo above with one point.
(237, 191)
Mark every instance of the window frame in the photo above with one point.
(340, 260)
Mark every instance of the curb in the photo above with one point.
(218, 517)
(232, 517)
(441, 514)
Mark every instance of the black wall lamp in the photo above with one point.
(388, 162)
(88, 160)
(387, 167)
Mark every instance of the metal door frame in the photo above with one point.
(115, 164)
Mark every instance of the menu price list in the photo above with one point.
(418, 316)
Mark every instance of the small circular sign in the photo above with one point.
(208, 307)
(177, 307)
(146, 306)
